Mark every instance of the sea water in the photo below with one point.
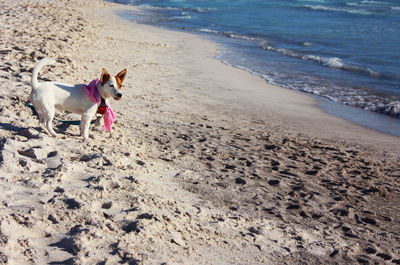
(346, 51)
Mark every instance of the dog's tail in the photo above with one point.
(38, 66)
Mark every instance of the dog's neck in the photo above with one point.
(102, 108)
(100, 91)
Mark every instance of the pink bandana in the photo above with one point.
(94, 95)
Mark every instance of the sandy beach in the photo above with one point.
(206, 163)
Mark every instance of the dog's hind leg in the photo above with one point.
(42, 121)
(81, 125)
(49, 127)
(49, 116)
(43, 115)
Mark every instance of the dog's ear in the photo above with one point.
(105, 76)
(120, 78)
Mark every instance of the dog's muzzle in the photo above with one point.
(118, 96)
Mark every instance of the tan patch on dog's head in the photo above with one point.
(120, 78)
(105, 76)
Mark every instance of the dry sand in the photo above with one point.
(207, 164)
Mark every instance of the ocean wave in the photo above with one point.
(180, 17)
(150, 7)
(187, 9)
(223, 33)
(354, 97)
(337, 9)
(315, 1)
(205, 9)
(208, 31)
(391, 109)
(226, 34)
(371, 2)
(332, 62)
(351, 96)
(374, 6)
(237, 36)
(229, 34)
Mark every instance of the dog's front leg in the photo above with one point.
(87, 116)
(85, 124)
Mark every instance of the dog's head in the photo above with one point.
(111, 86)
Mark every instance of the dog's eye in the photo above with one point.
(112, 85)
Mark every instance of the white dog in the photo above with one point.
(81, 99)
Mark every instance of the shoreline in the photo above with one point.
(367, 119)
(203, 166)
(299, 115)
(388, 125)
(362, 119)
(229, 44)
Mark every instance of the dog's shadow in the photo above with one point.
(62, 127)
(10, 127)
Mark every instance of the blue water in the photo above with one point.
(345, 51)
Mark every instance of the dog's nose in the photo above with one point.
(119, 95)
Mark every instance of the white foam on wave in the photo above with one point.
(315, 1)
(264, 45)
(226, 34)
(396, 7)
(208, 31)
(237, 36)
(181, 17)
(372, 2)
(393, 108)
(205, 9)
(147, 6)
(332, 62)
(336, 9)
(196, 9)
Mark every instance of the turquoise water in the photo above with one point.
(345, 51)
